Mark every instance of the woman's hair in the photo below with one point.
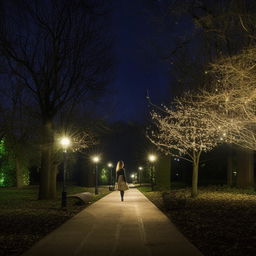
(120, 165)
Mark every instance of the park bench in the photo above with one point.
(84, 197)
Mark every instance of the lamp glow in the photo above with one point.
(65, 142)
(110, 165)
(140, 168)
(152, 158)
(95, 159)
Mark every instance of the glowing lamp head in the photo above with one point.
(110, 165)
(152, 158)
(65, 142)
(95, 159)
(140, 168)
(132, 176)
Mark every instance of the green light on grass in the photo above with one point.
(104, 175)
(2, 148)
(2, 180)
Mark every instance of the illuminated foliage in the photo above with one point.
(25, 176)
(8, 168)
(80, 140)
(2, 148)
(232, 102)
(226, 113)
(184, 130)
(2, 179)
(104, 176)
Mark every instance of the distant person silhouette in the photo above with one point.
(121, 179)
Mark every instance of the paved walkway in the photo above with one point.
(134, 227)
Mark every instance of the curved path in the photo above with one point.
(134, 227)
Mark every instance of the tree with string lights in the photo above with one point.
(232, 102)
(184, 130)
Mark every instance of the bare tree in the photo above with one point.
(59, 52)
(184, 130)
(233, 98)
(198, 32)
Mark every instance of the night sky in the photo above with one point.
(138, 67)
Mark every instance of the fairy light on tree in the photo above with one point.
(233, 101)
(184, 130)
(225, 114)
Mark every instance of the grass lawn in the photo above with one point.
(220, 221)
(24, 219)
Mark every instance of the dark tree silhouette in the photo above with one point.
(198, 32)
(16, 129)
(59, 52)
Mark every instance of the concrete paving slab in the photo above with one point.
(109, 227)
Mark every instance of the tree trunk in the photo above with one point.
(90, 177)
(52, 182)
(194, 179)
(19, 174)
(230, 167)
(196, 157)
(245, 168)
(46, 161)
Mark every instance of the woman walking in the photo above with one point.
(121, 179)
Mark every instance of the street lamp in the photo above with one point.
(110, 165)
(96, 160)
(140, 168)
(65, 142)
(133, 177)
(234, 178)
(152, 159)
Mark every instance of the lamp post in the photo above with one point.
(152, 159)
(140, 168)
(234, 178)
(65, 143)
(96, 160)
(110, 165)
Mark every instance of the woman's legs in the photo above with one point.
(122, 195)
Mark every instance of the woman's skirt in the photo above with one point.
(121, 184)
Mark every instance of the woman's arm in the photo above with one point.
(117, 175)
(124, 175)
